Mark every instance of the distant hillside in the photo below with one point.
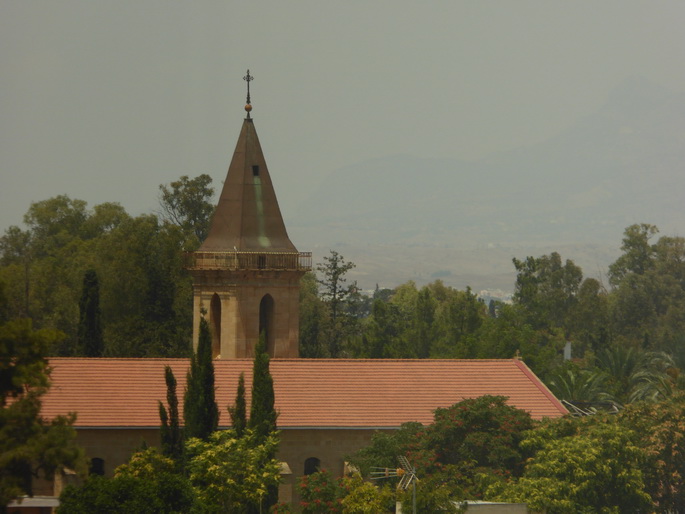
(624, 164)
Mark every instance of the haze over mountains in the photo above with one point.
(402, 217)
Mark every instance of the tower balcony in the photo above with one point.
(238, 260)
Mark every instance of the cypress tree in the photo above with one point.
(89, 327)
(262, 412)
(170, 430)
(238, 411)
(200, 411)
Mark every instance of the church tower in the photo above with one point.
(246, 274)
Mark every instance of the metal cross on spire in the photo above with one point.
(248, 78)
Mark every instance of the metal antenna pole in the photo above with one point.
(407, 473)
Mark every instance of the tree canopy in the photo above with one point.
(30, 445)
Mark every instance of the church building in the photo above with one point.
(246, 280)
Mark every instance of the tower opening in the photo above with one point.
(266, 322)
(215, 325)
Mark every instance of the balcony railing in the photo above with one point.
(292, 261)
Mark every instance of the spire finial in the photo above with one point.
(248, 78)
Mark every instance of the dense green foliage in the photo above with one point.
(632, 461)
(30, 446)
(262, 422)
(339, 299)
(238, 411)
(659, 430)
(262, 412)
(200, 411)
(627, 338)
(145, 297)
(185, 203)
(226, 473)
(114, 285)
(233, 474)
(579, 467)
(320, 493)
(170, 433)
(90, 326)
(149, 482)
(467, 446)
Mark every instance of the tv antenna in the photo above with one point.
(406, 472)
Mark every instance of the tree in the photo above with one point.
(547, 289)
(362, 497)
(578, 385)
(30, 446)
(104, 218)
(631, 373)
(337, 296)
(262, 412)
(238, 411)
(186, 203)
(172, 488)
(90, 328)
(637, 255)
(55, 222)
(383, 333)
(423, 323)
(485, 431)
(320, 493)
(459, 316)
(16, 254)
(468, 445)
(145, 295)
(312, 318)
(660, 432)
(579, 467)
(99, 494)
(200, 411)
(148, 483)
(590, 321)
(648, 296)
(230, 473)
(170, 430)
(509, 334)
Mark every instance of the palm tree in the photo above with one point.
(632, 374)
(578, 385)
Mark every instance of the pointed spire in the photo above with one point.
(247, 217)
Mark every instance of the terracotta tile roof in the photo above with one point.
(322, 393)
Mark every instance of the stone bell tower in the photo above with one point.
(246, 274)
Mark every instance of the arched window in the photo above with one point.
(311, 465)
(215, 324)
(266, 322)
(97, 466)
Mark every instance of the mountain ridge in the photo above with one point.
(621, 165)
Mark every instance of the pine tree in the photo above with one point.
(238, 411)
(90, 328)
(170, 430)
(339, 297)
(200, 411)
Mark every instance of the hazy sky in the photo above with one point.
(104, 101)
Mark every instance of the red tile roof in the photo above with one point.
(321, 393)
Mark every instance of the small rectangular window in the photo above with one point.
(255, 170)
